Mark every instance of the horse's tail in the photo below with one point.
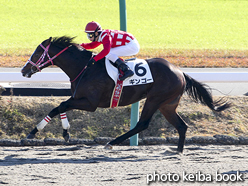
(201, 92)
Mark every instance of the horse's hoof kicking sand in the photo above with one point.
(108, 147)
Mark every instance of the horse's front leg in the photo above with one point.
(65, 124)
(82, 104)
(44, 122)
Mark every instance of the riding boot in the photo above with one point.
(121, 65)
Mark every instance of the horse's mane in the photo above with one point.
(63, 41)
(66, 41)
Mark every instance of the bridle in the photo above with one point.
(40, 63)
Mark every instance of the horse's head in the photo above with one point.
(38, 60)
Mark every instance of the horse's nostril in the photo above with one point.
(22, 70)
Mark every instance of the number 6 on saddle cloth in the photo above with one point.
(142, 75)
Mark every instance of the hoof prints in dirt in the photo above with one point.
(3, 182)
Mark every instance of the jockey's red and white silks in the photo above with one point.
(130, 49)
(112, 40)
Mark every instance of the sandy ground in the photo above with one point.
(124, 165)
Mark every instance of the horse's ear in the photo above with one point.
(50, 39)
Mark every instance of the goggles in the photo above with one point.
(90, 35)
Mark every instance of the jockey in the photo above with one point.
(115, 43)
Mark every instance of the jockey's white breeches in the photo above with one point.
(129, 49)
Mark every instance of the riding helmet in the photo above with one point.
(93, 27)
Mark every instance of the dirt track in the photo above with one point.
(124, 165)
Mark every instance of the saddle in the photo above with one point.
(142, 72)
(142, 75)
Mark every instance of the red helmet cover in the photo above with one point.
(93, 27)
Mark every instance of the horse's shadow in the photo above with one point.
(44, 156)
(13, 160)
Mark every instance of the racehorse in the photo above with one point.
(92, 88)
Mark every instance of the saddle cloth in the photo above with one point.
(142, 73)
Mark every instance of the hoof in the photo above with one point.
(175, 150)
(108, 147)
(66, 135)
(31, 136)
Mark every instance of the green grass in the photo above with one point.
(158, 24)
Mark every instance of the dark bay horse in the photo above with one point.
(92, 88)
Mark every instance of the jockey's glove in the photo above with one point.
(91, 62)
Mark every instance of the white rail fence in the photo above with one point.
(60, 77)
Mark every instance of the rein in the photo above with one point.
(40, 63)
(82, 72)
(79, 74)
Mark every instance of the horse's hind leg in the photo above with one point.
(146, 115)
(169, 112)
